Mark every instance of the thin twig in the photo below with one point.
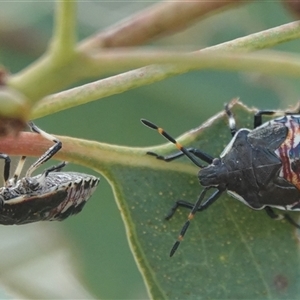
(161, 19)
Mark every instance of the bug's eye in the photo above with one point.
(216, 161)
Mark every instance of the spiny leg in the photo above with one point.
(270, 212)
(185, 151)
(198, 206)
(49, 153)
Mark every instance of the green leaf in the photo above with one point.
(230, 251)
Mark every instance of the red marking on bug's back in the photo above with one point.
(283, 153)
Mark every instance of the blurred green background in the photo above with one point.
(97, 235)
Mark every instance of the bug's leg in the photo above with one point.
(275, 216)
(259, 114)
(6, 167)
(270, 212)
(291, 221)
(186, 204)
(49, 153)
(177, 204)
(198, 153)
(184, 150)
(18, 170)
(42, 177)
(231, 120)
(55, 168)
(198, 206)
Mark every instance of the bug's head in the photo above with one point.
(214, 174)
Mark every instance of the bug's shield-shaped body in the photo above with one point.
(40, 198)
(261, 167)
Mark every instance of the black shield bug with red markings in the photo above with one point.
(50, 196)
(259, 167)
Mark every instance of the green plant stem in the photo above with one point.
(260, 40)
(64, 34)
(267, 63)
(46, 76)
(101, 156)
(50, 72)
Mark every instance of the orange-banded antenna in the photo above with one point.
(172, 140)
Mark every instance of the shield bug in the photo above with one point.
(259, 167)
(52, 195)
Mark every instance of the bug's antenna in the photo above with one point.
(172, 140)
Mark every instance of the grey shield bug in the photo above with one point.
(259, 167)
(52, 195)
